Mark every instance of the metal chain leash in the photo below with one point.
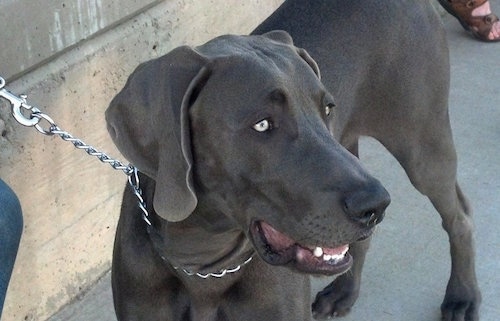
(36, 119)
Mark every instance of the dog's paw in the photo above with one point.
(461, 302)
(461, 308)
(336, 299)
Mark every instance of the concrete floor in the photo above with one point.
(408, 266)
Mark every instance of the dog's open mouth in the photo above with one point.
(277, 248)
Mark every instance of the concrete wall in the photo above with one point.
(38, 30)
(71, 57)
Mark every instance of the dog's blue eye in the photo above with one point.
(263, 125)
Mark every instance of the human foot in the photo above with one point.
(476, 17)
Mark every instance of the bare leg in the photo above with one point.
(476, 17)
(485, 10)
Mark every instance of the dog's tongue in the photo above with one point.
(279, 241)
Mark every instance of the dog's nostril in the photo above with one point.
(369, 218)
(372, 218)
(367, 207)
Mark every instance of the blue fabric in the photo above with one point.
(11, 226)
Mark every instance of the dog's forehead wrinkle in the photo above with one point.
(251, 67)
(244, 46)
(264, 59)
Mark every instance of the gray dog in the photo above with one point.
(248, 190)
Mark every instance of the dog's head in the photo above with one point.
(242, 124)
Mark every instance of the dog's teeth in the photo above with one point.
(318, 252)
(333, 258)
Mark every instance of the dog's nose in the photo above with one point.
(367, 206)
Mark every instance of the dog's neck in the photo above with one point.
(203, 250)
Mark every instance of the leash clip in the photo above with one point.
(16, 104)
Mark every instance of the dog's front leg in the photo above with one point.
(339, 296)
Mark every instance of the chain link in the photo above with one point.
(133, 180)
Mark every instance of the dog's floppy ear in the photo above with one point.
(285, 38)
(148, 122)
